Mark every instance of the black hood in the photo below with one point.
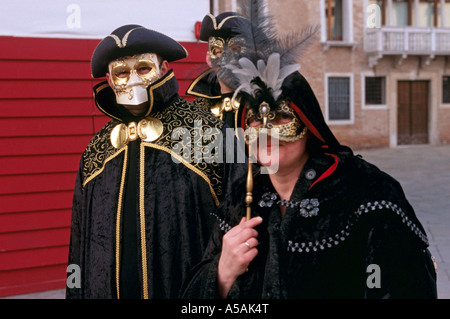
(298, 91)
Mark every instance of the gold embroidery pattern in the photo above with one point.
(98, 152)
(200, 158)
(203, 103)
(183, 116)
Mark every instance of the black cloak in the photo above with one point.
(142, 214)
(348, 230)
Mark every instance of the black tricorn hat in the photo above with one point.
(133, 39)
(226, 25)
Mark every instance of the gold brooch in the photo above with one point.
(148, 130)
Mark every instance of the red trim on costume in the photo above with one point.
(329, 171)
(243, 117)
(308, 124)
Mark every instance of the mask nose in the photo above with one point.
(134, 80)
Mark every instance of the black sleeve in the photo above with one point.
(75, 249)
(201, 282)
(398, 262)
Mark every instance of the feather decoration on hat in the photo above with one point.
(268, 57)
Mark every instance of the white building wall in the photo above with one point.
(95, 19)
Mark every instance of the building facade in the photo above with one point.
(380, 68)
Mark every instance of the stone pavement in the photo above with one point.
(424, 173)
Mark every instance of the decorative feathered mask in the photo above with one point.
(259, 73)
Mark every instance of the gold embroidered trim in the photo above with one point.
(188, 165)
(180, 114)
(154, 87)
(184, 115)
(217, 27)
(142, 221)
(118, 220)
(123, 43)
(194, 83)
(98, 152)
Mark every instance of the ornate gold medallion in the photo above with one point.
(119, 136)
(148, 130)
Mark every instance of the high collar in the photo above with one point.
(160, 94)
(205, 85)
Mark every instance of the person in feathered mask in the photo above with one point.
(324, 223)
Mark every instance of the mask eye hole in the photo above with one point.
(216, 47)
(282, 118)
(122, 72)
(235, 47)
(216, 51)
(253, 122)
(143, 68)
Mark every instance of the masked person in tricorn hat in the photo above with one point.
(226, 35)
(325, 223)
(149, 179)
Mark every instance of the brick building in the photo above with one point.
(380, 69)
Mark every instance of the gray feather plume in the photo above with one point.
(268, 55)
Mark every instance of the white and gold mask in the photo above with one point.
(130, 77)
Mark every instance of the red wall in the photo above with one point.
(47, 117)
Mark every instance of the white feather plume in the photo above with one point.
(270, 74)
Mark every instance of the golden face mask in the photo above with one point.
(218, 46)
(284, 119)
(132, 75)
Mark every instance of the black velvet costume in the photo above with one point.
(141, 220)
(344, 219)
(205, 87)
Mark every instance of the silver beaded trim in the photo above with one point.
(343, 234)
(222, 224)
(308, 207)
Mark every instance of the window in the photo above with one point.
(339, 99)
(420, 13)
(374, 88)
(446, 89)
(333, 16)
(337, 22)
(445, 14)
(427, 13)
(442, 11)
(401, 13)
